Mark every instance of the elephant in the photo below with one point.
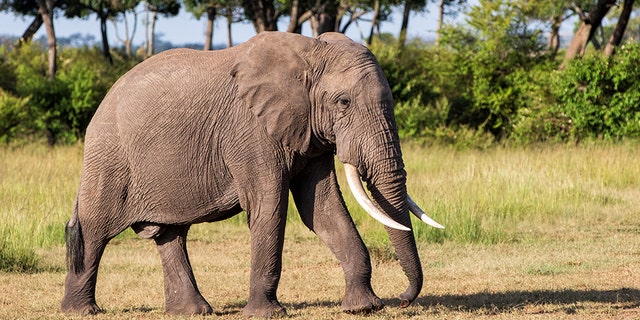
(191, 136)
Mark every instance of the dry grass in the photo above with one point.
(551, 233)
(577, 276)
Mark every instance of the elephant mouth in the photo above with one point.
(357, 189)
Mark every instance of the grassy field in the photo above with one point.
(547, 232)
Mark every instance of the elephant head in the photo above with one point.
(329, 94)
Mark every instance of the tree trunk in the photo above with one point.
(147, 22)
(31, 30)
(618, 33)
(587, 29)
(553, 44)
(440, 20)
(323, 22)
(208, 39)
(263, 15)
(402, 39)
(229, 22)
(45, 8)
(106, 52)
(293, 22)
(374, 21)
(324, 17)
(152, 34)
(128, 37)
(354, 18)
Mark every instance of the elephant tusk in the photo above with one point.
(355, 184)
(413, 207)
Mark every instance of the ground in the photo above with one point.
(584, 274)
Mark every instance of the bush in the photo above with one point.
(60, 109)
(410, 77)
(601, 96)
(13, 111)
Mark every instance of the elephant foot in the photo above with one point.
(79, 308)
(270, 309)
(363, 302)
(189, 307)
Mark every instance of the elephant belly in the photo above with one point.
(174, 194)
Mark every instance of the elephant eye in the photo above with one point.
(344, 101)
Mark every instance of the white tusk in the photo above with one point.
(413, 207)
(355, 184)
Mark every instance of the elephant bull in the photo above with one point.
(191, 136)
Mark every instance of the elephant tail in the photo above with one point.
(75, 242)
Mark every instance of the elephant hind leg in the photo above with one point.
(180, 289)
(96, 219)
(80, 283)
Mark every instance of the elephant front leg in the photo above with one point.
(180, 290)
(267, 237)
(322, 209)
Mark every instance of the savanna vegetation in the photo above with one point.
(545, 231)
(527, 151)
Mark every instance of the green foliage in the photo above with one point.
(408, 73)
(493, 76)
(498, 46)
(60, 109)
(535, 120)
(17, 259)
(12, 114)
(601, 96)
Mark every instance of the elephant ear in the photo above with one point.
(272, 81)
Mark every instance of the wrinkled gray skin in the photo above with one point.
(191, 136)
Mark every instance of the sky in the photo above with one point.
(184, 28)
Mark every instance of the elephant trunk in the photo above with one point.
(377, 158)
(390, 194)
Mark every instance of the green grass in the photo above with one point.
(37, 188)
(498, 195)
(515, 194)
(545, 232)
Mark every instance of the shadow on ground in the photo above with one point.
(503, 301)
(496, 302)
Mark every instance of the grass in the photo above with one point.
(536, 232)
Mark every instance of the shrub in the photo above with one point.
(13, 112)
(60, 109)
(410, 77)
(601, 96)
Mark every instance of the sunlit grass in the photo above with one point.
(499, 195)
(511, 194)
(37, 188)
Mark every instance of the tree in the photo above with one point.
(550, 12)
(590, 23)
(45, 9)
(103, 9)
(200, 7)
(263, 14)
(443, 5)
(500, 46)
(42, 10)
(355, 10)
(128, 6)
(232, 11)
(409, 5)
(621, 26)
(166, 8)
(329, 15)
